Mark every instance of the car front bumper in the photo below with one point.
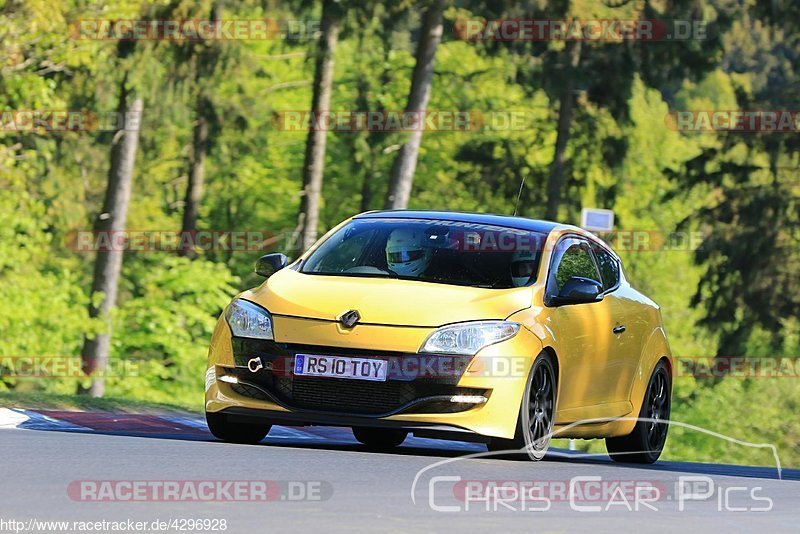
(418, 394)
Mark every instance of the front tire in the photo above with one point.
(536, 415)
(380, 439)
(223, 429)
(645, 443)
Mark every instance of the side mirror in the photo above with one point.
(578, 290)
(269, 264)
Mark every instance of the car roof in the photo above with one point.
(508, 221)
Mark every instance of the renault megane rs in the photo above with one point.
(486, 328)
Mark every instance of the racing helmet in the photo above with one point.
(406, 252)
(523, 266)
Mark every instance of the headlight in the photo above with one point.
(469, 338)
(248, 320)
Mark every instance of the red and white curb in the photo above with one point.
(127, 423)
(107, 422)
(33, 420)
(177, 426)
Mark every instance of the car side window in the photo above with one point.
(609, 267)
(576, 261)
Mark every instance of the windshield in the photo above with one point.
(439, 251)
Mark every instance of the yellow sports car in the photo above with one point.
(488, 328)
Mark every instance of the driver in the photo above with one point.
(523, 266)
(406, 253)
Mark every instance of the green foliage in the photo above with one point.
(748, 187)
(164, 324)
(715, 408)
(45, 309)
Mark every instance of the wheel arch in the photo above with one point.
(551, 353)
(668, 364)
(654, 351)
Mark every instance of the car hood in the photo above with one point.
(384, 301)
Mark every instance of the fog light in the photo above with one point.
(468, 399)
(230, 379)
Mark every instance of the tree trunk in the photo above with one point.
(206, 60)
(368, 165)
(362, 104)
(555, 180)
(401, 177)
(111, 220)
(197, 161)
(314, 163)
(366, 187)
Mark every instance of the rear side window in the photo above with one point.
(576, 261)
(609, 267)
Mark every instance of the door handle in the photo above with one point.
(618, 329)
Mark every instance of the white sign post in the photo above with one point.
(597, 220)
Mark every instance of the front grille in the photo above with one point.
(355, 397)
(341, 395)
(246, 390)
(349, 396)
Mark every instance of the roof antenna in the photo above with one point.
(519, 195)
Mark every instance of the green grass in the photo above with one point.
(52, 401)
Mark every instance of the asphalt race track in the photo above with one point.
(60, 466)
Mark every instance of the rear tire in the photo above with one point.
(379, 439)
(536, 415)
(246, 433)
(645, 443)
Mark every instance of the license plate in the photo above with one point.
(340, 367)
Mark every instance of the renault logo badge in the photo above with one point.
(349, 318)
